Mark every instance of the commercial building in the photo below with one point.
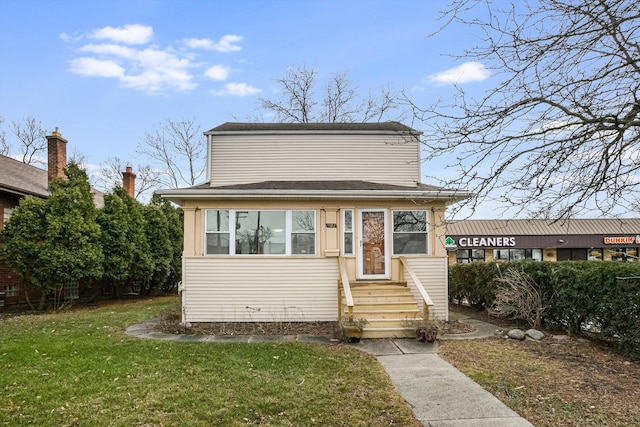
(616, 239)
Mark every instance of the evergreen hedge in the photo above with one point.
(602, 298)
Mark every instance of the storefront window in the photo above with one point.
(501, 255)
(595, 254)
(469, 255)
(624, 254)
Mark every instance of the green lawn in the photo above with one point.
(79, 368)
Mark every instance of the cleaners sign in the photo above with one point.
(491, 242)
(624, 240)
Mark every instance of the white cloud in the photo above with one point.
(129, 34)
(468, 72)
(109, 49)
(155, 81)
(96, 67)
(124, 53)
(218, 72)
(226, 44)
(238, 89)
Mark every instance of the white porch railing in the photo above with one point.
(346, 288)
(428, 302)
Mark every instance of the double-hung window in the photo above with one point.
(303, 232)
(217, 232)
(260, 232)
(410, 232)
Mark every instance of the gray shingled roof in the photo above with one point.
(322, 186)
(280, 127)
(314, 189)
(541, 227)
(22, 179)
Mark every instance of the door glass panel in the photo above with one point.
(373, 250)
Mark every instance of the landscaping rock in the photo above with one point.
(534, 334)
(516, 334)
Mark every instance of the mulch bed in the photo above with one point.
(170, 323)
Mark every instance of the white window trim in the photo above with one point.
(288, 232)
(426, 232)
(345, 231)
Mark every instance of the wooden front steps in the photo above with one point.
(388, 307)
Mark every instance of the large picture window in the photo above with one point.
(410, 232)
(260, 232)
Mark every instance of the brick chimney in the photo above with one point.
(57, 155)
(129, 181)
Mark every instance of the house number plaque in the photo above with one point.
(332, 225)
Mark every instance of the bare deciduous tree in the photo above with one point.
(4, 145)
(559, 131)
(109, 176)
(32, 147)
(176, 149)
(298, 101)
(518, 298)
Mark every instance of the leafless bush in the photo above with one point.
(518, 298)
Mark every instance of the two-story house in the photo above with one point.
(313, 221)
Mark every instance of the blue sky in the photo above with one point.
(106, 72)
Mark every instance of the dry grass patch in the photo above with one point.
(566, 382)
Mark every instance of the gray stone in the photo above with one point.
(534, 334)
(516, 334)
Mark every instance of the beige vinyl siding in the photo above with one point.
(433, 274)
(391, 158)
(265, 289)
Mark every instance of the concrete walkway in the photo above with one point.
(439, 394)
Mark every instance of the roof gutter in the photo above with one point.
(179, 194)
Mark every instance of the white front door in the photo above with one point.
(373, 256)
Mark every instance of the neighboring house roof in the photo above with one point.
(21, 179)
(541, 227)
(306, 127)
(316, 190)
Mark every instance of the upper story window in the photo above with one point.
(260, 232)
(410, 232)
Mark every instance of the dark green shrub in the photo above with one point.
(600, 298)
(473, 283)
